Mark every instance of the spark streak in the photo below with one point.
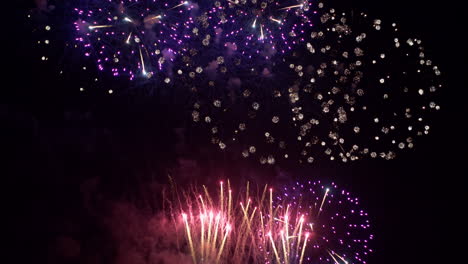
(323, 201)
(143, 64)
(228, 228)
(274, 248)
(290, 7)
(254, 24)
(128, 39)
(261, 32)
(148, 19)
(265, 231)
(181, 4)
(127, 19)
(303, 248)
(189, 237)
(99, 26)
(275, 20)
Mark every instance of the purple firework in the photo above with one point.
(339, 227)
(256, 27)
(133, 37)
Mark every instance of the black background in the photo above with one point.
(54, 139)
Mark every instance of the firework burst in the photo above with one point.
(339, 227)
(304, 224)
(132, 37)
(259, 27)
(337, 96)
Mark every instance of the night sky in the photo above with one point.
(71, 157)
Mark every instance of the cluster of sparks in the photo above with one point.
(133, 37)
(136, 37)
(271, 80)
(257, 25)
(307, 223)
(339, 226)
(332, 98)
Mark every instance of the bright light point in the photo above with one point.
(228, 228)
(110, 91)
(128, 39)
(307, 234)
(128, 19)
(275, 20)
(186, 3)
(99, 26)
(184, 216)
(81, 89)
(254, 23)
(47, 28)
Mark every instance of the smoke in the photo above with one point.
(168, 54)
(218, 34)
(230, 48)
(141, 238)
(210, 70)
(41, 5)
(120, 228)
(266, 73)
(121, 232)
(268, 51)
(63, 248)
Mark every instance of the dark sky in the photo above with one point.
(55, 142)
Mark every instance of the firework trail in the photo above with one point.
(304, 224)
(132, 38)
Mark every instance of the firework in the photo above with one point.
(241, 230)
(339, 228)
(256, 27)
(351, 90)
(208, 226)
(132, 38)
(307, 223)
(348, 88)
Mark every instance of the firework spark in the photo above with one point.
(118, 34)
(320, 102)
(302, 224)
(339, 228)
(259, 25)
